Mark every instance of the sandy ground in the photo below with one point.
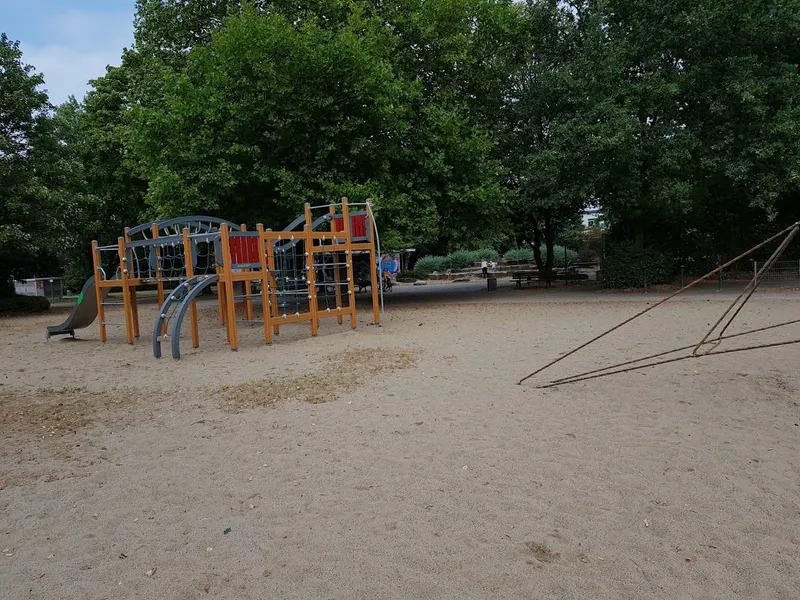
(404, 461)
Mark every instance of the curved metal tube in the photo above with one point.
(378, 248)
(182, 221)
(174, 295)
(185, 304)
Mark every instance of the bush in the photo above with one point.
(406, 277)
(427, 265)
(23, 305)
(456, 260)
(519, 254)
(626, 266)
(527, 254)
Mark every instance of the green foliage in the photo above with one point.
(26, 200)
(527, 254)
(519, 254)
(23, 305)
(427, 265)
(460, 259)
(248, 113)
(626, 266)
(407, 277)
(468, 122)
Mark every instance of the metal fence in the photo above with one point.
(49, 287)
(783, 271)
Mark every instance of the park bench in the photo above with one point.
(526, 277)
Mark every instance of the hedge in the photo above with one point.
(457, 260)
(527, 254)
(626, 266)
(23, 305)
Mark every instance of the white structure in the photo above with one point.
(592, 217)
(50, 287)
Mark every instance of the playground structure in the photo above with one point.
(305, 272)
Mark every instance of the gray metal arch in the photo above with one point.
(286, 245)
(187, 301)
(178, 293)
(198, 220)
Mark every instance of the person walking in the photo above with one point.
(484, 268)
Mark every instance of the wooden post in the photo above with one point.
(230, 304)
(189, 258)
(311, 279)
(265, 283)
(348, 251)
(223, 310)
(101, 310)
(159, 282)
(373, 259)
(270, 248)
(126, 296)
(337, 274)
(134, 304)
(248, 302)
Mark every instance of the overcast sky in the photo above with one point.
(69, 41)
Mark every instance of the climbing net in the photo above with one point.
(332, 281)
(163, 256)
(291, 277)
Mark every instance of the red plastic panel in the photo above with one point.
(358, 225)
(244, 250)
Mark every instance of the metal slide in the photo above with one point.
(173, 313)
(83, 313)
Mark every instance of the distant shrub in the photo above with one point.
(527, 254)
(406, 277)
(455, 260)
(427, 265)
(23, 305)
(626, 266)
(487, 253)
(519, 254)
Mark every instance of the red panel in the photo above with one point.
(244, 250)
(358, 225)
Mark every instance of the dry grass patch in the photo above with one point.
(341, 373)
(56, 412)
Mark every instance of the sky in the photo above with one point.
(69, 41)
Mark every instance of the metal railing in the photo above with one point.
(48, 287)
(783, 271)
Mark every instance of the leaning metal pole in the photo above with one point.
(749, 289)
(671, 360)
(581, 376)
(662, 301)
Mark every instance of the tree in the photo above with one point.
(104, 193)
(709, 95)
(273, 105)
(25, 200)
(545, 134)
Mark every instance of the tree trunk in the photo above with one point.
(638, 233)
(549, 234)
(537, 246)
(6, 283)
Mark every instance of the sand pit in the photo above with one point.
(404, 461)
